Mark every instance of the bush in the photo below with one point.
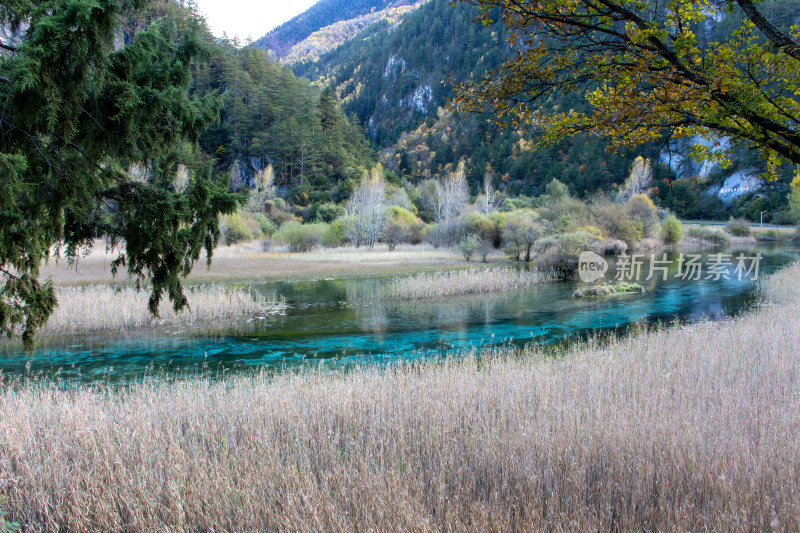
(611, 246)
(613, 219)
(708, 235)
(267, 226)
(336, 234)
(234, 229)
(556, 190)
(469, 245)
(326, 212)
(672, 230)
(402, 226)
(641, 208)
(566, 214)
(738, 228)
(396, 231)
(560, 254)
(297, 237)
(521, 229)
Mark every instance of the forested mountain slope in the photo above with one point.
(395, 78)
(270, 117)
(318, 16)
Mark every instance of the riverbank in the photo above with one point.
(248, 262)
(686, 428)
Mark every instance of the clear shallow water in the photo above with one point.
(344, 322)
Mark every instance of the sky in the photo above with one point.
(249, 18)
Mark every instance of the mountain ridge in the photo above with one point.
(322, 14)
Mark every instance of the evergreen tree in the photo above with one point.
(79, 110)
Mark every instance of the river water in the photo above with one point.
(346, 322)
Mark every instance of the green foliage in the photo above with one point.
(672, 230)
(401, 226)
(7, 526)
(556, 190)
(608, 290)
(272, 119)
(520, 231)
(469, 245)
(738, 228)
(267, 226)
(298, 237)
(336, 234)
(327, 212)
(486, 228)
(389, 78)
(794, 200)
(397, 230)
(77, 115)
(234, 229)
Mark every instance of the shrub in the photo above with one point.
(336, 234)
(267, 226)
(642, 209)
(566, 214)
(738, 228)
(234, 229)
(672, 230)
(708, 235)
(613, 219)
(560, 254)
(297, 237)
(611, 246)
(520, 231)
(396, 231)
(556, 190)
(326, 212)
(469, 245)
(278, 212)
(401, 226)
(486, 229)
(594, 231)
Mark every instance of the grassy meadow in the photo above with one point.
(683, 428)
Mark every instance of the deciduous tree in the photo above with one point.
(648, 70)
(366, 210)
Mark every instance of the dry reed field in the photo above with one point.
(690, 428)
(472, 281)
(97, 308)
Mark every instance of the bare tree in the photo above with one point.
(452, 194)
(366, 209)
(263, 188)
(639, 180)
(487, 200)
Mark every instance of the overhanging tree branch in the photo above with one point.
(775, 36)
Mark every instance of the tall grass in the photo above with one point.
(472, 281)
(682, 429)
(98, 308)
